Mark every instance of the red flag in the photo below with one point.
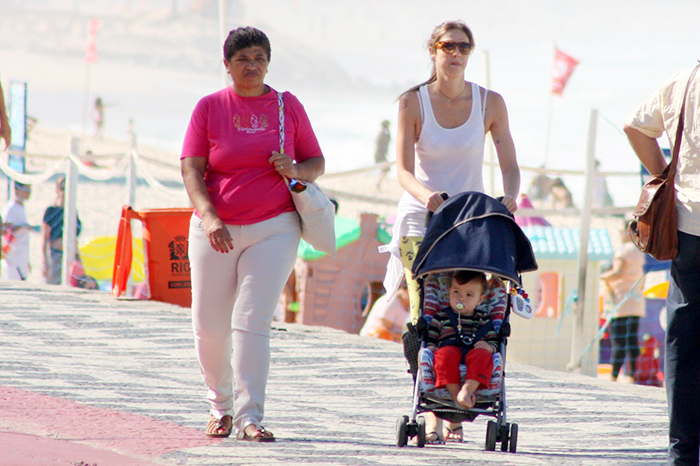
(563, 67)
(90, 49)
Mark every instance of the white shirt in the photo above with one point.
(658, 114)
(16, 261)
(447, 160)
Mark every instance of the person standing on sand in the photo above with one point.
(15, 262)
(623, 277)
(52, 236)
(98, 116)
(381, 150)
(660, 113)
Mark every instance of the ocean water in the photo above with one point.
(348, 61)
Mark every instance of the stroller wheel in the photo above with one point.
(491, 435)
(402, 431)
(503, 436)
(421, 432)
(513, 438)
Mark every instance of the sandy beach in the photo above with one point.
(99, 203)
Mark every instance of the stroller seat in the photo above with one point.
(427, 378)
(437, 297)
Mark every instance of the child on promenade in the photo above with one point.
(16, 230)
(451, 334)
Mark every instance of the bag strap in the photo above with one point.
(291, 183)
(280, 104)
(679, 131)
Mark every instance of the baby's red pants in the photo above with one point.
(479, 363)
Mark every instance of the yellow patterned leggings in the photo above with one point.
(409, 248)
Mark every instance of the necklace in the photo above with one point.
(452, 101)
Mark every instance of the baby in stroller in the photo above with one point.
(460, 333)
(469, 237)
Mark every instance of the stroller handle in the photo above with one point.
(445, 197)
(429, 215)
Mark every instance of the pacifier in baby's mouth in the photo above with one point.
(459, 306)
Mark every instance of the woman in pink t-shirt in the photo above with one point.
(245, 231)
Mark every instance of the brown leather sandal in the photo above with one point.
(260, 435)
(219, 427)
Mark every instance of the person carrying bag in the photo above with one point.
(654, 229)
(244, 234)
(316, 211)
(659, 113)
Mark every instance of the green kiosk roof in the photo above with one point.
(347, 230)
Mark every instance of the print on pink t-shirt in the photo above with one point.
(237, 135)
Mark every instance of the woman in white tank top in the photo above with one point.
(442, 127)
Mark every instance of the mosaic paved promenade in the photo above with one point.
(89, 380)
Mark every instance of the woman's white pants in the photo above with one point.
(234, 296)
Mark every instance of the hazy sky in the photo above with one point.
(156, 67)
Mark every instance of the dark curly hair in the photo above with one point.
(244, 37)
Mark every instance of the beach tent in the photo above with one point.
(524, 203)
(97, 256)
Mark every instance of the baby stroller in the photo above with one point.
(469, 231)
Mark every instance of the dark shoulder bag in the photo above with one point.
(654, 228)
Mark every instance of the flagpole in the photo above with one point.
(549, 131)
(85, 106)
(549, 121)
(90, 57)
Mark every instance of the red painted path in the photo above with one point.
(37, 430)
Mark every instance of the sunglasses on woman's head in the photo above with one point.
(449, 46)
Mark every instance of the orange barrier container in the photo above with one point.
(165, 251)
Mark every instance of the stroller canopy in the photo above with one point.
(474, 231)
